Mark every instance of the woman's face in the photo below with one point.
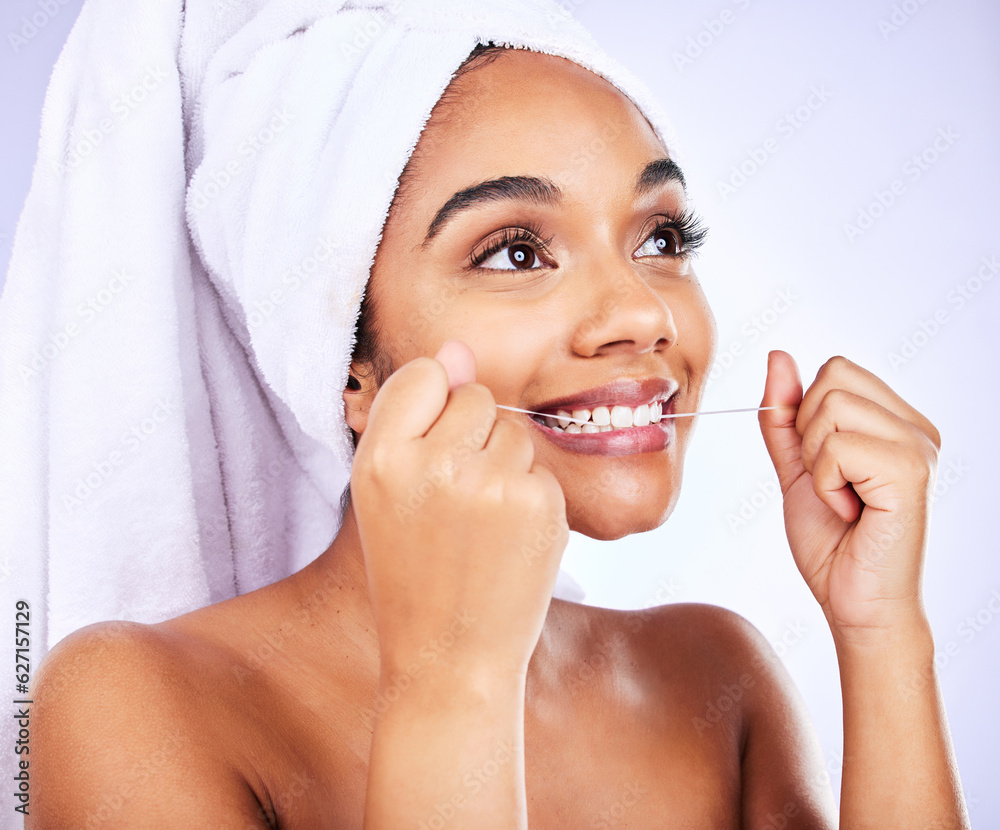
(560, 276)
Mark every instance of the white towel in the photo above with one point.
(178, 316)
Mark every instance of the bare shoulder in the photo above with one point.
(737, 681)
(707, 641)
(116, 735)
(714, 680)
(97, 657)
(715, 643)
(675, 652)
(709, 634)
(708, 660)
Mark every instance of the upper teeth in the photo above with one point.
(603, 419)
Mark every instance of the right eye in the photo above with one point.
(665, 241)
(511, 249)
(676, 236)
(517, 257)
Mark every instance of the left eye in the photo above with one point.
(665, 241)
(517, 257)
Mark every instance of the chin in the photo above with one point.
(615, 520)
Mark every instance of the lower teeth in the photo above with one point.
(575, 428)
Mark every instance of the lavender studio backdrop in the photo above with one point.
(845, 158)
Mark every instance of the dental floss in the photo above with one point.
(672, 415)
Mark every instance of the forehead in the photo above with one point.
(527, 113)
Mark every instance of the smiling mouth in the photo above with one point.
(604, 418)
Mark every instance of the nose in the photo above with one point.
(623, 313)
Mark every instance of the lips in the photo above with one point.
(622, 392)
(634, 440)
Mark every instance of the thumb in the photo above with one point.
(459, 362)
(784, 444)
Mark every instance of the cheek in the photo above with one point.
(428, 313)
(416, 316)
(510, 341)
(697, 333)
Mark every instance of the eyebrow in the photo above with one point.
(659, 173)
(542, 191)
(506, 189)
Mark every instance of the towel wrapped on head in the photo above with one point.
(180, 309)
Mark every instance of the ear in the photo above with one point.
(358, 402)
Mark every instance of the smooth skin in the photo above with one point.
(417, 673)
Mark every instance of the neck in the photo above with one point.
(334, 588)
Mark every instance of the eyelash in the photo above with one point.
(688, 225)
(530, 233)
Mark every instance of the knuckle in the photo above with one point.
(378, 459)
(510, 427)
(522, 494)
(835, 398)
(494, 487)
(426, 368)
(421, 376)
(527, 493)
(829, 449)
(820, 457)
(550, 491)
(483, 481)
(480, 393)
(424, 363)
(474, 395)
(933, 434)
(836, 366)
(928, 443)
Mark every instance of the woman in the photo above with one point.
(415, 673)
